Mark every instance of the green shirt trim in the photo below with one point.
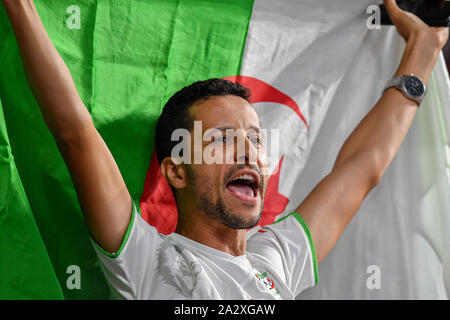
(115, 255)
(311, 243)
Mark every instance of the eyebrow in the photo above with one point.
(224, 129)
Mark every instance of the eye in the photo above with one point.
(256, 140)
(222, 139)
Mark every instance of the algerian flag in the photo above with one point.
(315, 70)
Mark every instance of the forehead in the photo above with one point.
(225, 111)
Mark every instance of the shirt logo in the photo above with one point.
(267, 282)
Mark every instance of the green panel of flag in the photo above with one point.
(126, 58)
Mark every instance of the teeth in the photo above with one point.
(245, 177)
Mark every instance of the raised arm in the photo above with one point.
(102, 193)
(373, 144)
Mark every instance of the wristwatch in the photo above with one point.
(411, 86)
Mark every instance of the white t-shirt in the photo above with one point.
(279, 263)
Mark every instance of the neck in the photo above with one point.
(212, 233)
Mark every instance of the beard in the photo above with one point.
(219, 210)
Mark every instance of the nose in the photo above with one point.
(245, 151)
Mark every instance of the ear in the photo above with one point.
(174, 173)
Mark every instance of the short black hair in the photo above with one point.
(175, 114)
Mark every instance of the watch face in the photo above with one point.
(414, 86)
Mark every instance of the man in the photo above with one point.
(209, 257)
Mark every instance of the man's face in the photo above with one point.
(231, 191)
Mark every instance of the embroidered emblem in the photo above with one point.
(267, 282)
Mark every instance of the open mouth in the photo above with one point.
(244, 186)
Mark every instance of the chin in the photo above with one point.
(246, 213)
(245, 218)
(232, 211)
(239, 224)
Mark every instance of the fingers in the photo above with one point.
(392, 8)
(443, 35)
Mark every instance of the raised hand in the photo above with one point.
(410, 26)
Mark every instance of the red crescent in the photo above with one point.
(264, 92)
